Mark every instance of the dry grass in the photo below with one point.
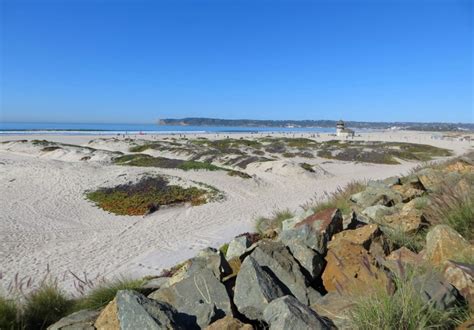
(273, 223)
(340, 199)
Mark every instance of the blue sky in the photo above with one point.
(136, 61)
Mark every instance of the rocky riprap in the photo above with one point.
(307, 275)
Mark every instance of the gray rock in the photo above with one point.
(392, 181)
(237, 247)
(81, 320)
(288, 313)
(290, 223)
(156, 283)
(434, 289)
(311, 261)
(376, 196)
(307, 236)
(276, 259)
(200, 299)
(377, 212)
(212, 259)
(254, 289)
(135, 311)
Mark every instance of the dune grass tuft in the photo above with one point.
(104, 293)
(340, 199)
(404, 309)
(264, 224)
(412, 241)
(9, 314)
(45, 306)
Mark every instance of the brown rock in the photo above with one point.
(408, 192)
(460, 166)
(405, 255)
(468, 325)
(430, 178)
(444, 243)
(361, 236)
(229, 323)
(461, 276)
(336, 308)
(351, 269)
(108, 318)
(408, 219)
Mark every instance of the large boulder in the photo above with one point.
(444, 243)
(288, 313)
(376, 195)
(435, 290)
(229, 323)
(430, 178)
(370, 237)
(316, 230)
(237, 247)
(311, 262)
(131, 310)
(255, 289)
(461, 276)
(81, 320)
(351, 268)
(336, 308)
(200, 299)
(408, 192)
(409, 219)
(278, 261)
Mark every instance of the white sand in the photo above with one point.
(45, 219)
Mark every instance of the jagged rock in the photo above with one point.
(408, 219)
(461, 276)
(430, 178)
(229, 323)
(316, 230)
(288, 313)
(392, 181)
(405, 256)
(377, 212)
(369, 236)
(290, 223)
(462, 166)
(336, 308)
(311, 261)
(201, 297)
(237, 247)
(407, 192)
(351, 269)
(376, 196)
(156, 283)
(255, 289)
(81, 320)
(275, 258)
(435, 290)
(132, 310)
(444, 243)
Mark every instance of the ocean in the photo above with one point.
(115, 129)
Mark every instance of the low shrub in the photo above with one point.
(403, 309)
(104, 293)
(45, 306)
(240, 174)
(307, 167)
(145, 196)
(9, 314)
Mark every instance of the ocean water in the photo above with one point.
(114, 129)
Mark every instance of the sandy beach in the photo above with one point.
(46, 221)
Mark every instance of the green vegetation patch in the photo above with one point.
(340, 199)
(307, 167)
(50, 148)
(162, 162)
(145, 196)
(273, 223)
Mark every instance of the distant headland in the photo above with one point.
(318, 123)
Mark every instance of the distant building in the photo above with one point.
(342, 131)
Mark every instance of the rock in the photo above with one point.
(156, 283)
(369, 236)
(430, 178)
(377, 212)
(392, 181)
(408, 219)
(316, 230)
(461, 276)
(275, 258)
(311, 261)
(405, 256)
(407, 192)
(202, 298)
(444, 243)
(462, 166)
(237, 247)
(351, 269)
(468, 325)
(336, 308)
(288, 313)
(229, 323)
(376, 196)
(132, 310)
(290, 223)
(435, 290)
(81, 320)
(255, 289)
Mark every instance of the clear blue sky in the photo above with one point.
(136, 61)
